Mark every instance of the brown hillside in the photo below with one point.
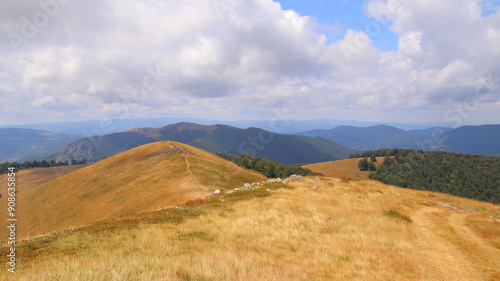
(322, 230)
(146, 178)
(30, 178)
(346, 168)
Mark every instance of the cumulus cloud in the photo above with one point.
(149, 58)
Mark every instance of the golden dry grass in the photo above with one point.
(328, 230)
(130, 182)
(345, 168)
(31, 178)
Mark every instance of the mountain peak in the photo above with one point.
(183, 126)
(146, 178)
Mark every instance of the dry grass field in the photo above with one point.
(345, 168)
(31, 178)
(327, 230)
(147, 178)
(123, 226)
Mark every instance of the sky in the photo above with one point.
(426, 61)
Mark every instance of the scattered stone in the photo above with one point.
(274, 180)
(268, 190)
(293, 178)
(313, 181)
(256, 185)
(216, 192)
(251, 186)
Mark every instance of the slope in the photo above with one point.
(345, 168)
(27, 145)
(371, 138)
(146, 178)
(322, 230)
(287, 149)
(471, 176)
(481, 140)
(30, 178)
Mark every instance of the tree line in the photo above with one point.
(269, 168)
(471, 176)
(37, 164)
(378, 153)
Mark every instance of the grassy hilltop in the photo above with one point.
(147, 178)
(318, 228)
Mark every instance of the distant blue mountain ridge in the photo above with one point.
(18, 144)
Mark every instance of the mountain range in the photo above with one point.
(279, 123)
(287, 149)
(26, 145)
(480, 140)
(304, 147)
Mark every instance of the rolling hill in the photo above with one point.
(481, 140)
(287, 149)
(315, 229)
(345, 168)
(18, 145)
(30, 178)
(370, 138)
(428, 132)
(146, 178)
(471, 176)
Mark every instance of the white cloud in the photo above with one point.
(179, 57)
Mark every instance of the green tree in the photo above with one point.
(363, 164)
(371, 166)
(355, 155)
(388, 160)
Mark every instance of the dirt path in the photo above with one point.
(186, 159)
(188, 165)
(455, 248)
(478, 250)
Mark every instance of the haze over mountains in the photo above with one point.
(305, 147)
(26, 145)
(481, 140)
(280, 123)
(287, 149)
